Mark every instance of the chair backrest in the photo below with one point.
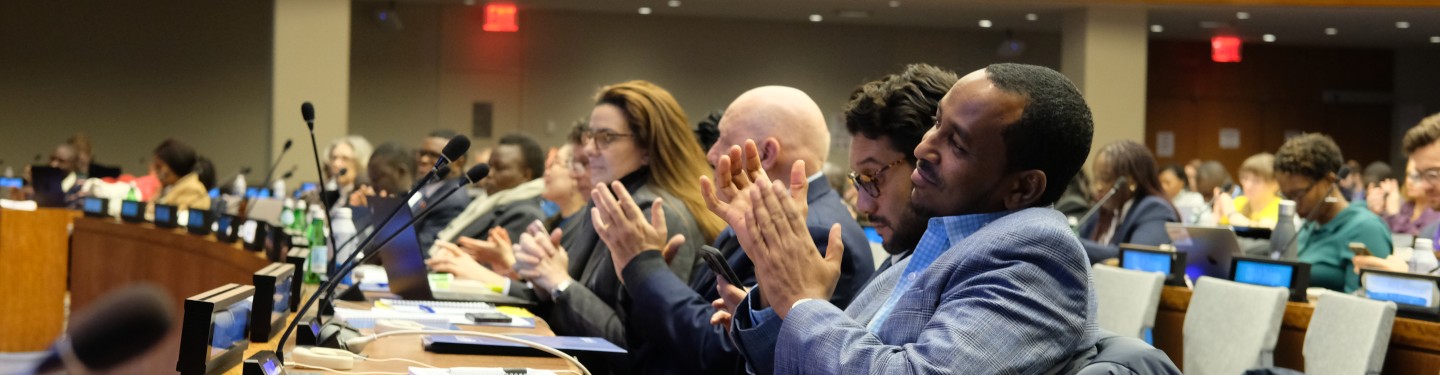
(1119, 354)
(1127, 299)
(1348, 335)
(1231, 327)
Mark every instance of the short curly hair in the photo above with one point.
(900, 106)
(1311, 155)
(1426, 133)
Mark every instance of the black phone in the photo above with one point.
(488, 317)
(717, 264)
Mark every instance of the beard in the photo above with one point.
(905, 232)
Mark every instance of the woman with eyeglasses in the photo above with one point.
(639, 137)
(1307, 168)
(1406, 209)
(1136, 213)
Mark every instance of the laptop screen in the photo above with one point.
(401, 257)
(1267, 274)
(1413, 291)
(1146, 261)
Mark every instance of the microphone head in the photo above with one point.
(1121, 181)
(138, 316)
(343, 171)
(287, 146)
(307, 111)
(477, 173)
(1342, 173)
(287, 175)
(244, 170)
(456, 148)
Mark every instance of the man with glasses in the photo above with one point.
(786, 126)
(1422, 144)
(1308, 170)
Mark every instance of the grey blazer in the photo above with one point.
(1013, 298)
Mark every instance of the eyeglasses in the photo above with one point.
(1429, 176)
(1295, 195)
(602, 137)
(870, 182)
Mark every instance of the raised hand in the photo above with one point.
(621, 224)
(776, 238)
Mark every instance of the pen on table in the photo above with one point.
(427, 309)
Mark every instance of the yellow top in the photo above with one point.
(1265, 218)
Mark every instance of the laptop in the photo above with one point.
(1415, 296)
(1208, 250)
(405, 266)
(48, 184)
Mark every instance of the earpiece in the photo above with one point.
(324, 357)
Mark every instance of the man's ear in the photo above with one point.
(1026, 189)
(769, 153)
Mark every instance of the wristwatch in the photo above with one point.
(555, 293)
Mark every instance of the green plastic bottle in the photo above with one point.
(319, 254)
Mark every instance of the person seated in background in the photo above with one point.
(997, 284)
(1307, 168)
(1422, 145)
(1211, 177)
(85, 166)
(1260, 206)
(1176, 184)
(1405, 209)
(1076, 200)
(442, 211)
(1136, 213)
(205, 172)
(565, 176)
(789, 127)
(638, 138)
(1375, 172)
(351, 154)
(65, 158)
(511, 202)
(391, 169)
(1353, 186)
(175, 165)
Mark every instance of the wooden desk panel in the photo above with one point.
(1414, 344)
(34, 250)
(109, 254)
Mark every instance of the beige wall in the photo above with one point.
(405, 83)
(132, 74)
(311, 64)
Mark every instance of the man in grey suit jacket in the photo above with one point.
(997, 284)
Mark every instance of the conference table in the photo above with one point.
(109, 255)
(1414, 344)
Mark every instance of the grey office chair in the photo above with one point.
(1127, 299)
(1231, 327)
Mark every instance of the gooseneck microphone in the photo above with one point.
(1120, 181)
(307, 113)
(456, 147)
(1315, 211)
(270, 174)
(120, 326)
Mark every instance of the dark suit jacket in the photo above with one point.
(514, 217)
(598, 305)
(1144, 224)
(677, 313)
(442, 212)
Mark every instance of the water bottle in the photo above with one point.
(1423, 261)
(287, 218)
(344, 230)
(319, 254)
(299, 216)
(1281, 246)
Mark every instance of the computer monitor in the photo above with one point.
(1207, 249)
(132, 211)
(198, 222)
(1153, 259)
(213, 335)
(268, 312)
(167, 216)
(96, 207)
(1415, 295)
(1294, 276)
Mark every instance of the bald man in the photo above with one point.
(785, 126)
